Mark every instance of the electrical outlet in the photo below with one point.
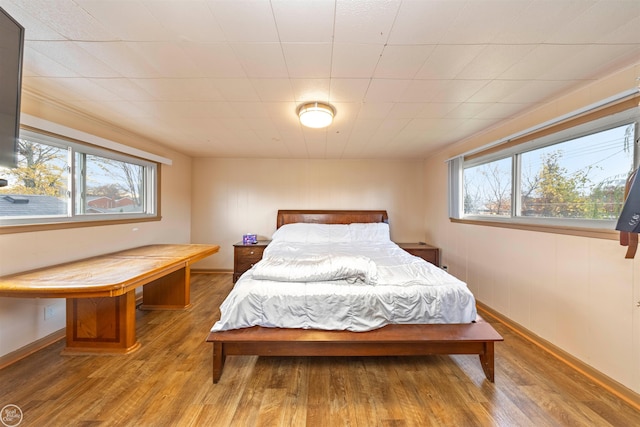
(49, 312)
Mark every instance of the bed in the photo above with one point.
(331, 283)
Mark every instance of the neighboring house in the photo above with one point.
(31, 205)
(105, 204)
(101, 202)
(125, 201)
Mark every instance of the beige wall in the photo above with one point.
(578, 293)
(22, 320)
(232, 197)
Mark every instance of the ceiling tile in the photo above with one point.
(402, 62)
(602, 18)
(535, 91)
(245, 21)
(374, 110)
(35, 21)
(307, 60)
(125, 89)
(481, 21)
(180, 89)
(495, 91)
(214, 59)
(310, 21)
(186, 20)
(388, 90)
(273, 90)
(236, 89)
(454, 91)
(168, 59)
(365, 22)
(38, 64)
(308, 90)
(541, 59)
(81, 89)
(348, 90)
(424, 22)
(355, 61)
(447, 61)
(70, 55)
(261, 60)
(66, 17)
(435, 110)
(494, 60)
(121, 57)
(126, 20)
(407, 110)
(538, 20)
(422, 90)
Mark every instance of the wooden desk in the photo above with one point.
(100, 292)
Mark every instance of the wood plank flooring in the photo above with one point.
(168, 383)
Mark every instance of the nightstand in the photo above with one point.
(426, 252)
(245, 256)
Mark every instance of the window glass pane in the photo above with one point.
(111, 186)
(580, 178)
(487, 189)
(38, 186)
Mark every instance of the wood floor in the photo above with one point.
(168, 383)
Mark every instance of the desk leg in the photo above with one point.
(102, 325)
(170, 292)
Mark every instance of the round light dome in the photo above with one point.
(316, 115)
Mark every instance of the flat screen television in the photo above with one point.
(629, 219)
(11, 53)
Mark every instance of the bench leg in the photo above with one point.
(218, 361)
(169, 292)
(102, 325)
(487, 361)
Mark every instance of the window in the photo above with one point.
(59, 180)
(487, 189)
(580, 178)
(573, 177)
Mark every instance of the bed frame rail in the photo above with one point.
(392, 340)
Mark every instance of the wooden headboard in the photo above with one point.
(330, 217)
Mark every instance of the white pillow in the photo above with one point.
(312, 233)
(370, 232)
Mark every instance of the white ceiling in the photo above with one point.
(224, 78)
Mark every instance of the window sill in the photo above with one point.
(595, 233)
(26, 228)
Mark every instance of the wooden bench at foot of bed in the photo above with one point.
(392, 340)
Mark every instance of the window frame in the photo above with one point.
(625, 112)
(152, 172)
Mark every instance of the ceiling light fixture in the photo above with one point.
(316, 115)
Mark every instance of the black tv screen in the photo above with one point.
(11, 50)
(629, 219)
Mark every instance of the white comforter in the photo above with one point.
(354, 287)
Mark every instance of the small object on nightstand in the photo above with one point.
(249, 239)
(421, 249)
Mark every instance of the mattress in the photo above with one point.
(343, 283)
